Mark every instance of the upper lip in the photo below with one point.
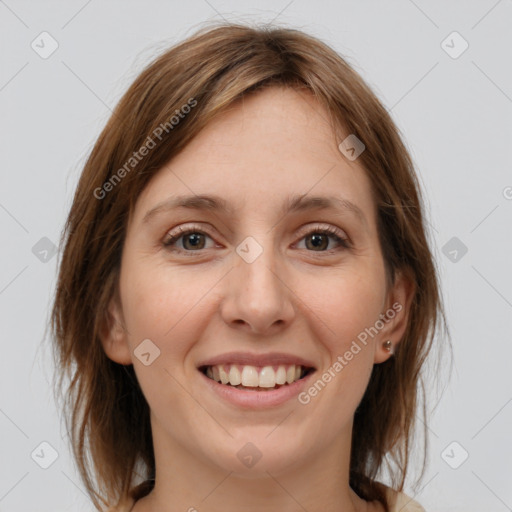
(246, 358)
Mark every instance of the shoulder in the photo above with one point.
(124, 506)
(400, 502)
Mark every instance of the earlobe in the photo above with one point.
(113, 335)
(396, 317)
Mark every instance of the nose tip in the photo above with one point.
(256, 297)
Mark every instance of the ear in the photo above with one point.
(113, 334)
(395, 315)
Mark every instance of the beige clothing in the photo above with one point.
(398, 502)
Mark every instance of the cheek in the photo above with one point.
(345, 307)
(345, 304)
(164, 305)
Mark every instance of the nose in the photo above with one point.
(257, 297)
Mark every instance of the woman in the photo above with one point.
(246, 294)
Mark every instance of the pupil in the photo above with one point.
(194, 239)
(317, 241)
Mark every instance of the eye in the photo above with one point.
(320, 236)
(192, 239)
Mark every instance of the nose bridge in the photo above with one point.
(256, 294)
(256, 268)
(258, 265)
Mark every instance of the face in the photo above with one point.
(257, 281)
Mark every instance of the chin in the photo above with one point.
(255, 455)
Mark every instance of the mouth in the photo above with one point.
(256, 378)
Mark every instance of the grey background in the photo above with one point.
(455, 114)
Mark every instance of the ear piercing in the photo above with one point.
(388, 346)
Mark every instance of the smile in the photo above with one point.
(256, 378)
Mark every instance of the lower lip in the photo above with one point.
(257, 399)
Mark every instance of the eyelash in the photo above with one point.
(332, 232)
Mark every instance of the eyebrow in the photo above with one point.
(296, 203)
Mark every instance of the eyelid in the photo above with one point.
(309, 228)
(175, 234)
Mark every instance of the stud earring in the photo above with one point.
(388, 346)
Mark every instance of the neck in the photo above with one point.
(312, 482)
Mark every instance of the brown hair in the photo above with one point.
(107, 414)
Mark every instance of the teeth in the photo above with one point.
(234, 376)
(224, 377)
(250, 377)
(267, 377)
(281, 375)
(290, 374)
(254, 377)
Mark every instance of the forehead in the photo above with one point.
(268, 146)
